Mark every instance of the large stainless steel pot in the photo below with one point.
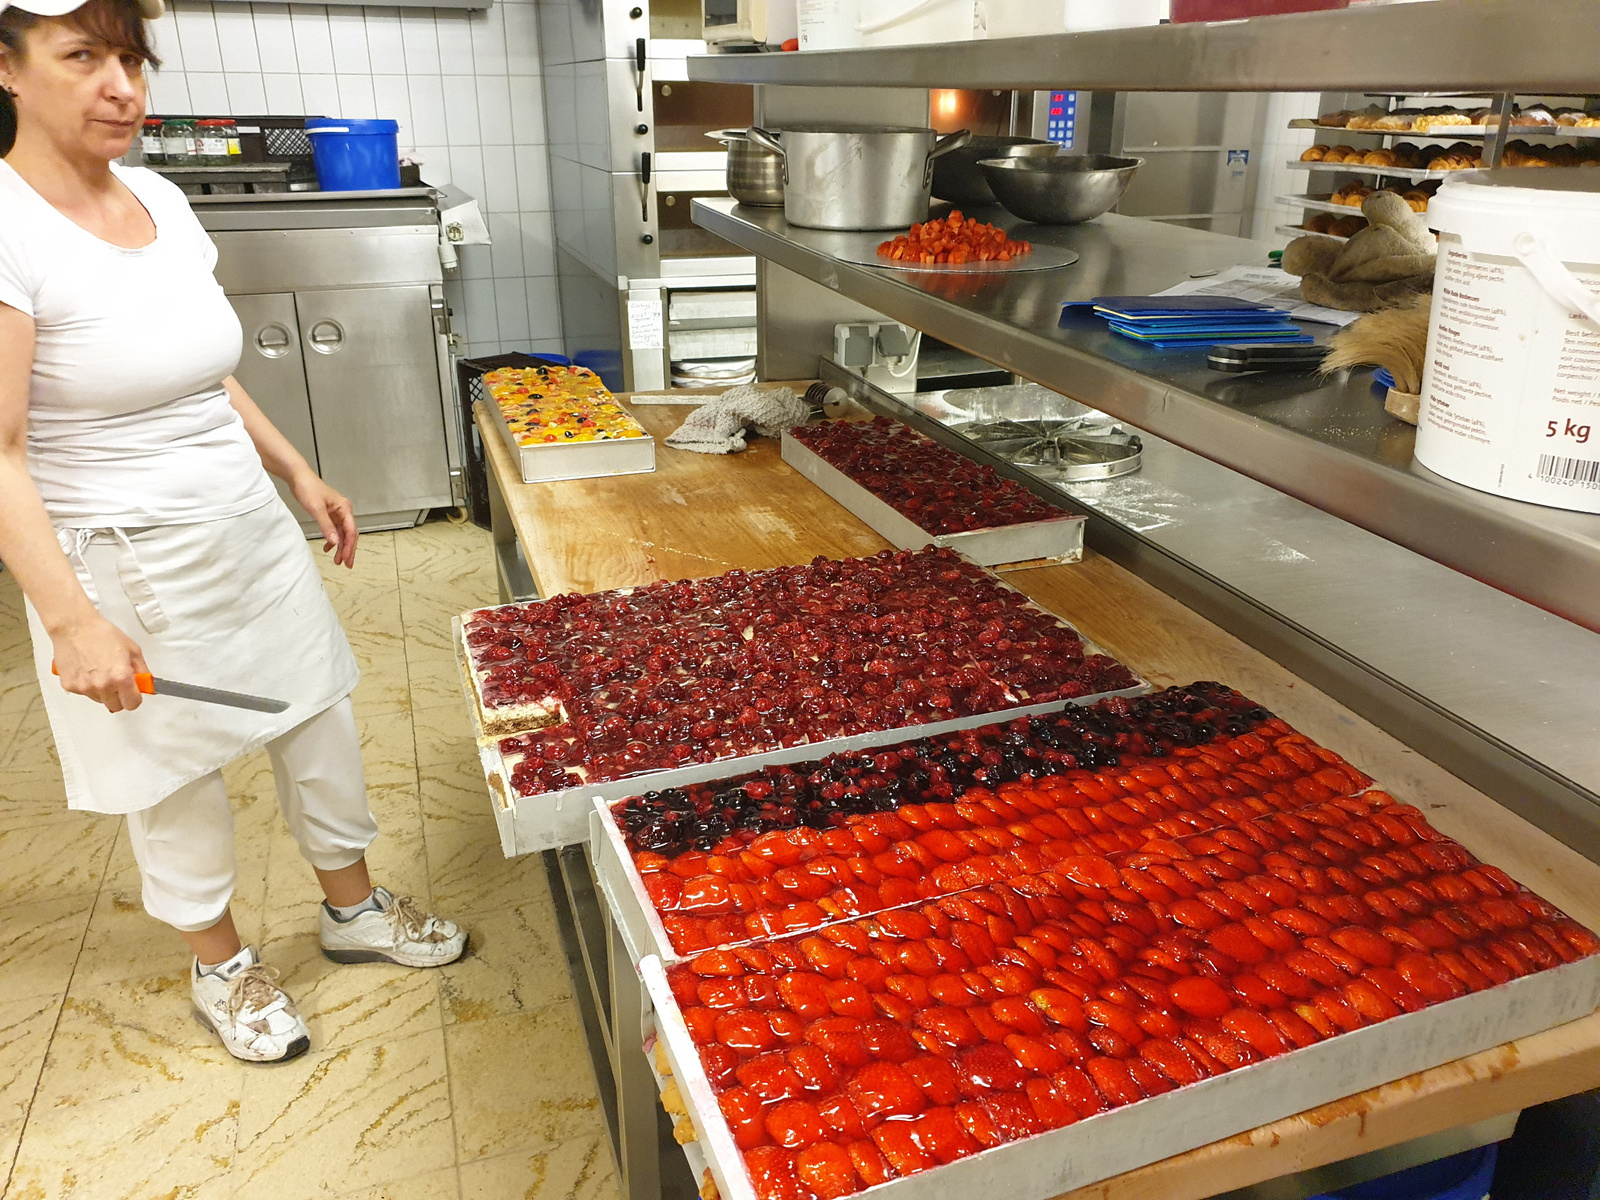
(857, 176)
(755, 174)
(956, 177)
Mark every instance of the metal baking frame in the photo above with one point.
(1122, 1139)
(555, 461)
(1057, 539)
(550, 820)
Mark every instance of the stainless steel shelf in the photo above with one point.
(1327, 442)
(1415, 175)
(1472, 45)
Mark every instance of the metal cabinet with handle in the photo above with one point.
(372, 372)
(346, 350)
(273, 371)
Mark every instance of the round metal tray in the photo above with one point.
(1074, 450)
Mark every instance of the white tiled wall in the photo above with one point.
(1279, 145)
(465, 88)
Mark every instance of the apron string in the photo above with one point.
(135, 584)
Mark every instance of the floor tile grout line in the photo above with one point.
(55, 1025)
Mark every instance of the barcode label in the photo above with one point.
(1554, 468)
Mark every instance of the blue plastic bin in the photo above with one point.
(1466, 1176)
(605, 363)
(354, 155)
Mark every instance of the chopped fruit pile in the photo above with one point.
(935, 488)
(798, 845)
(885, 1046)
(651, 678)
(545, 405)
(953, 239)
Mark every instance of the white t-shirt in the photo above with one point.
(128, 422)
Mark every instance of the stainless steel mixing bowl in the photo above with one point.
(956, 176)
(1063, 190)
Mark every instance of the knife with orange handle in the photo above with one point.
(153, 685)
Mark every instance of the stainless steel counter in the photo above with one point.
(1326, 442)
(1492, 688)
(1449, 46)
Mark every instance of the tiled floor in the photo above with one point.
(467, 1082)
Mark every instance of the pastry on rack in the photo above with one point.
(1346, 226)
(1335, 120)
(1536, 115)
(1408, 155)
(1416, 200)
(1587, 121)
(1398, 121)
(1318, 223)
(1380, 158)
(1314, 154)
(1367, 118)
(1429, 122)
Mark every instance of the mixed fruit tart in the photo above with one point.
(548, 405)
(798, 845)
(601, 687)
(880, 1047)
(935, 488)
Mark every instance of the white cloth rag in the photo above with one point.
(718, 427)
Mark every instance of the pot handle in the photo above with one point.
(949, 142)
(766, 141)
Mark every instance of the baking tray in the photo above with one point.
(1415, 174)
(550, 820)
(576, 460)
(1123, 1139)
(1059, 539)
(561, 818)
(1043, 257)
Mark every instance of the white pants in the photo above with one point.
(184, 844)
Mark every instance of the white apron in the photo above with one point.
(236, 603)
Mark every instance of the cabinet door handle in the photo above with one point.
(273, 341)
(326, 337)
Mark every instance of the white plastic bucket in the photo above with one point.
(828, 24)
(1511, 390)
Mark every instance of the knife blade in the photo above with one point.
(206, 695)
(154, 685)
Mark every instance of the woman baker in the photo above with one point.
(136, 513)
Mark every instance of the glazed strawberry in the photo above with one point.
(772, 1172)
(794, 1124)
(815, 1069)
(880, 1090)
(770, 1077)
(869, 1162)
(826, 1169)
(841, 1038)
(987, 1068)
(936, 1077)
(745, 1032)
(720, 1065)
(1200, 996)
(745, 1114)
(894, 1139)
(939, 1134)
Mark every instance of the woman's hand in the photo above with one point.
(331, 512)
(98, 660)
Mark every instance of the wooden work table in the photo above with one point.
(701, 515)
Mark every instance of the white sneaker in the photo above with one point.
(397, 931)
(252, 1015)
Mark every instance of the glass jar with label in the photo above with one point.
(150, 146)
(211, 143)
(177, 142)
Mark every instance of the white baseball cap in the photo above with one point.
(60, 8)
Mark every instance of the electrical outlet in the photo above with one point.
(885, 352)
